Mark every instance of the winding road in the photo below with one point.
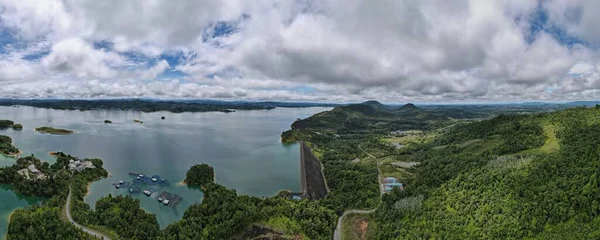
(337, 234)
(85, 229)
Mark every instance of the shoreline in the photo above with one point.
(14, 155)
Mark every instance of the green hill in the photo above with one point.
(521, 179)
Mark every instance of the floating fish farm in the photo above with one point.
(149, 185)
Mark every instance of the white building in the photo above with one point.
(80, 165)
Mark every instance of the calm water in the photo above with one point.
(243, 147)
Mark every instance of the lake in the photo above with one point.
(243, 147)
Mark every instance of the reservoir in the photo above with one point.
(243, 147)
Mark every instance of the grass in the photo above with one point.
(357, 226)
(416, 138)
(388, 170)
(284, 224)
(550, 145)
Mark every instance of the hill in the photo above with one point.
(370, 116)
(509, 177)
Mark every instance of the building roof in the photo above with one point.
(389, 180)
(394, 184)
(33, 169)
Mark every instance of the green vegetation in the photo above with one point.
(6, 146)
(223, 214)
(511, 176)
(200, 175)
(357, 227)
(45, 221)
(42, 222)
(56, 131)
(516, 176)
(4, 124)
(529, 177)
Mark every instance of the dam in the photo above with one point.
(312, 181)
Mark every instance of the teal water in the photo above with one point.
(244, 148)
(9, 202)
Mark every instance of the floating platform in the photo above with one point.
(124, 185)
(142, 178)
(169, 199)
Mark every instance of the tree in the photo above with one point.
(200, 174)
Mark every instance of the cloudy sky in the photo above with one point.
(307, 50)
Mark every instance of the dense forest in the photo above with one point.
(4, 124)
(527, 177)
(6, 146)
(200, 175)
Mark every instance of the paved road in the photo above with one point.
(337, 234)
(85, 229)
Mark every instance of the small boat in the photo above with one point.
(117, 186)
(160, 199)
(166, 202)
(121, 182)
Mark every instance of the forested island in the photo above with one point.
(200, 175)
(6, 146)
(4, 124)
(479, 173)
(55, 131)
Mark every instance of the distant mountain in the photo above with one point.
(373, 103)
(409, 106)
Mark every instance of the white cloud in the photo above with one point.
(398, 50)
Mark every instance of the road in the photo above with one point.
(378, 170)
(85, 229)
(337, 234)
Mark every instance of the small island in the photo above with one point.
(56, 131)
(107, 121)
(6, 146)
(4, 124)
(199, 175)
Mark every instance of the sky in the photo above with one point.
(302, 50)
